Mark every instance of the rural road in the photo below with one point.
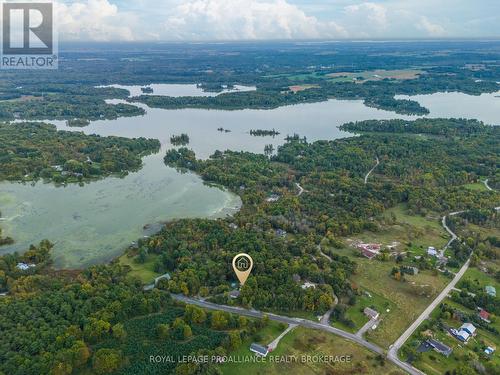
(301, 189)
(371, 170)
(392, 354)
(485, 182)
(393, 350)
(280, 318)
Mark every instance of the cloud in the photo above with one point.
(126, 20)
(96, 20)
(246, 19)
(375, 14)
(430, 28)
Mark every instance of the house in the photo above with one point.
(469, 328)
(462, 336)
(484, 315)
(280, 233)
(296, 278)
(24, 266)
(369, 250)
(440, 347)
(489, 350)
(234, 294)
(308, 285)
(57, 168)
(466, 331)
(372, 314)
(273, 198)
(259, 350)
(432, 251)
(233, 226)
(490, 290)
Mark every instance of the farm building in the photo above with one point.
(369, 250)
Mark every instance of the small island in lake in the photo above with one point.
(221, 129)
(179, 140)
(78, 122)
(147, 90)
(263, 133)
(5, 240)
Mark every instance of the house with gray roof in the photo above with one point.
(259, 349)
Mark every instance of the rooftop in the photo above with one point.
(440, 347)
(259, 349)
(371, 313)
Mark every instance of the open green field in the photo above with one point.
(479, 186)
(378, 75)
(302, 341)
(368, 299)
(419, 231)
(480, 278)
(405, 300)
(144, 271)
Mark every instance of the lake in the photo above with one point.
(95, 222)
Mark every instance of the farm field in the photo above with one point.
(300, 342)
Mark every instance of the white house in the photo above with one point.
(432, 251)
(24, 266)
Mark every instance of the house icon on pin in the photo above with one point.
(242, 264)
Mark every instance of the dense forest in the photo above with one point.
(101, 320)
(428, 174)
(66, 102)
(32, 151)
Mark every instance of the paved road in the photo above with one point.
(393, 351)
(280, 318)
(371, 170)
(392, 355)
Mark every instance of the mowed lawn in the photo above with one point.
(307, 342)
(143, 271)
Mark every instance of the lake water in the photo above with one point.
(484, 107)
(164, 89)
(95, 222)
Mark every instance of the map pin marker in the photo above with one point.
(242, 265)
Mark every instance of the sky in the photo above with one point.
(231, 20)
